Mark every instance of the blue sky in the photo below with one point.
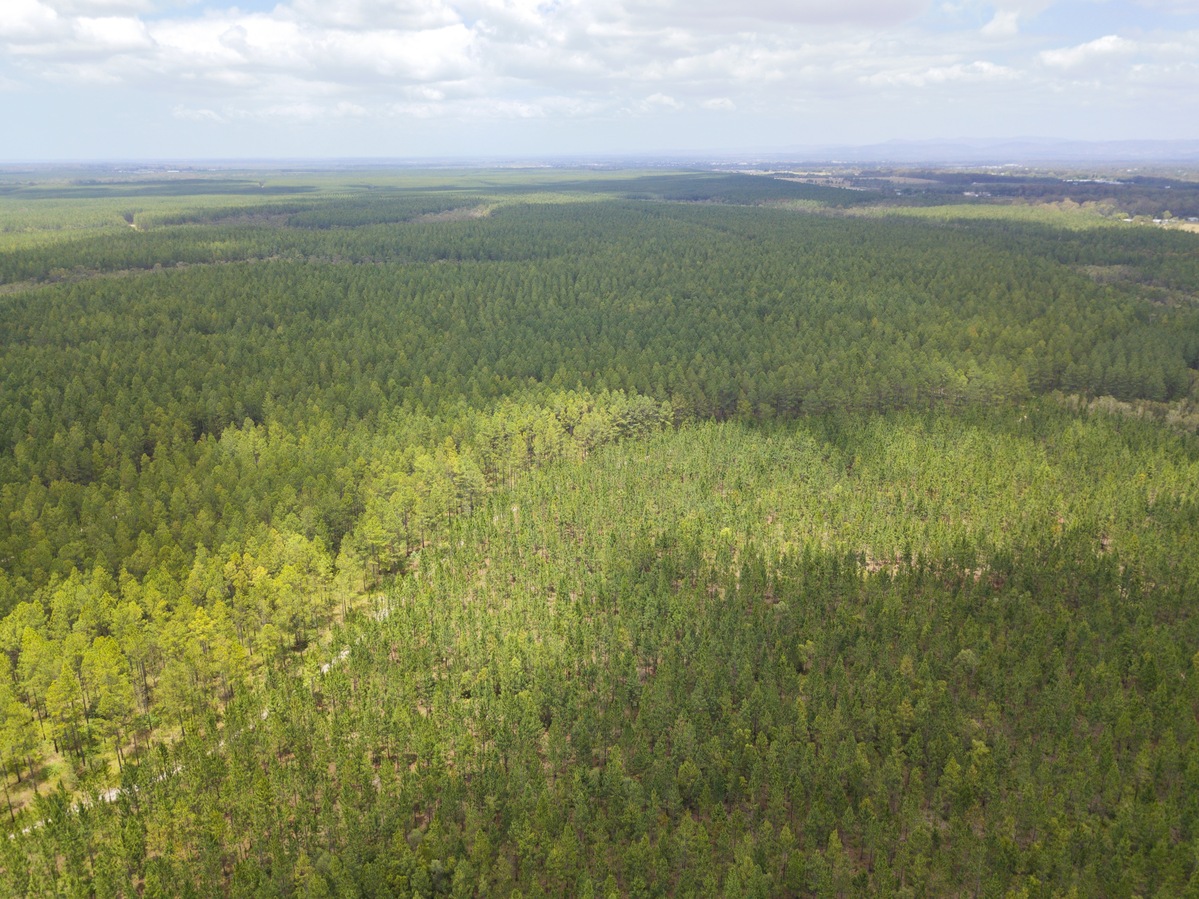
(154, 79)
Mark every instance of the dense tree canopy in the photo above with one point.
(650, 535)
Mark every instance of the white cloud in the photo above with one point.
(978, 71)
(304, 61)
(872, 13)
(25, 20)
(1181, 7)
(492, 110)
(1006, 23)
(197, 115)
(99, 7)
(1103, 48)
(1026, 8)
(658, 102)
(432, 55)
(300, 111)
(112, 34)
(374, 15)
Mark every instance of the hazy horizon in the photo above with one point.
(1022, 153)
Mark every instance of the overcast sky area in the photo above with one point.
(189, 79)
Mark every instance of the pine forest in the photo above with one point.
(594, 533)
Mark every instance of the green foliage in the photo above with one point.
(667, 667)
(633, 539)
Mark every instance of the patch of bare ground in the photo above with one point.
(462, 214)
(1110, 274)
(78, 275)
(272, 219)
(1181, 415)
(949, 573)
(1149, 290)
(820, 181)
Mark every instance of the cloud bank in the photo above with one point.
(772, 70)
